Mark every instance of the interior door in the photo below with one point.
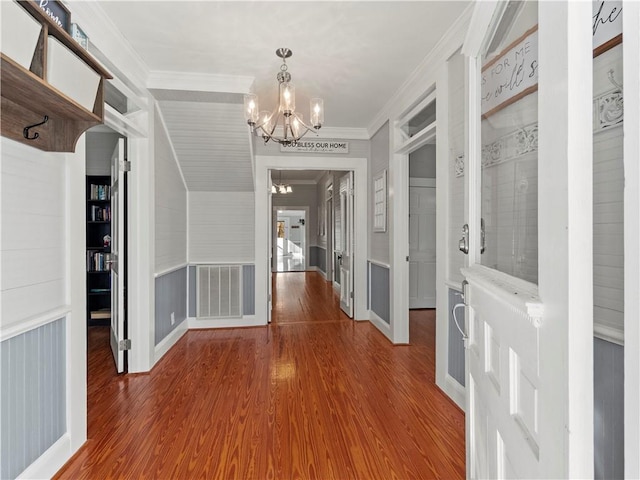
(346, 256)
(422, 247)
(522, 405)
(118, 259)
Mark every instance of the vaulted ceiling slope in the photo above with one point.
(355, 55)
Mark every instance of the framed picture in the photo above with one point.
(58, 13)
(79, 36)
(380, 202)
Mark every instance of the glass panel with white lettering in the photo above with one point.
(509, 136)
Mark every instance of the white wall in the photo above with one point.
(170, 205)
(33, 232)
(608, 210)
(221, 227)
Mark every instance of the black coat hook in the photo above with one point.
(25, 132)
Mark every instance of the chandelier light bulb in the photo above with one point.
(251, 108)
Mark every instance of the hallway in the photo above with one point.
(313, 395)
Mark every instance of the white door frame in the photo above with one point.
(263, 223)
(631, 82)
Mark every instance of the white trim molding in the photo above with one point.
(199, 82)
(52, 460)
(31, 323)
(170, 340)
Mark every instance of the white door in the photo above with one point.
(117, 255)
(422, 247)
(346, 232)
(529, 397)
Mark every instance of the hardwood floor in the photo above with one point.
(314, 395)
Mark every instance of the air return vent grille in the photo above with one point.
(219, 291)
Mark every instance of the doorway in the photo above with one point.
(264, 223)
(106, 241)
(290, 243)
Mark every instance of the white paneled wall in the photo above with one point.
(171, 205)
(608, 210)
(456, 150)
(221, 227)
(33, 244)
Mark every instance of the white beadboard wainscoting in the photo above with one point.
(221, 227)
(170, 203)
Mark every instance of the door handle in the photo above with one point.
(482, 239)
(463, 244)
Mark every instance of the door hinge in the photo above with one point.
(124, 344)
(125, 166)
(351, 294)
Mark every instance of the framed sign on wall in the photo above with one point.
(380, 202)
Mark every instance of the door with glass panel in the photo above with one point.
(516, 369)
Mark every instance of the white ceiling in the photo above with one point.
(355, 55)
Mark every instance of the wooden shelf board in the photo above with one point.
(64, 37)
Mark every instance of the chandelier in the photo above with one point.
(291, 123)
(281, 187)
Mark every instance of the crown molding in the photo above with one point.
(115, 51)
(425, 73)
(200, 82)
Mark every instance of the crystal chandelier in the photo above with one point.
(291, 123)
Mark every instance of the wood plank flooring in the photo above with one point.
(312, 396)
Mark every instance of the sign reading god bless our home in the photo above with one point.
(316, 146)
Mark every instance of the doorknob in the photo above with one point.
(463, 244)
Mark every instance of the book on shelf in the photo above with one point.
(99, 192)
(98, 261)
(100, 314)
(100, 214)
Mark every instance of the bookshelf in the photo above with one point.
(98, 250)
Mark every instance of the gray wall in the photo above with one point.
(608, 409)
(379, 294)
(318, 258)
(455, 363)
(32, 393)
(100, 147)
(378, 241)
(248, 290)
(422, 162)
(171, 296)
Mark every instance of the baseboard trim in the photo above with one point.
(381, 325)
(170, 340)
(246, 321)
(453, 390)
(52, 460)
